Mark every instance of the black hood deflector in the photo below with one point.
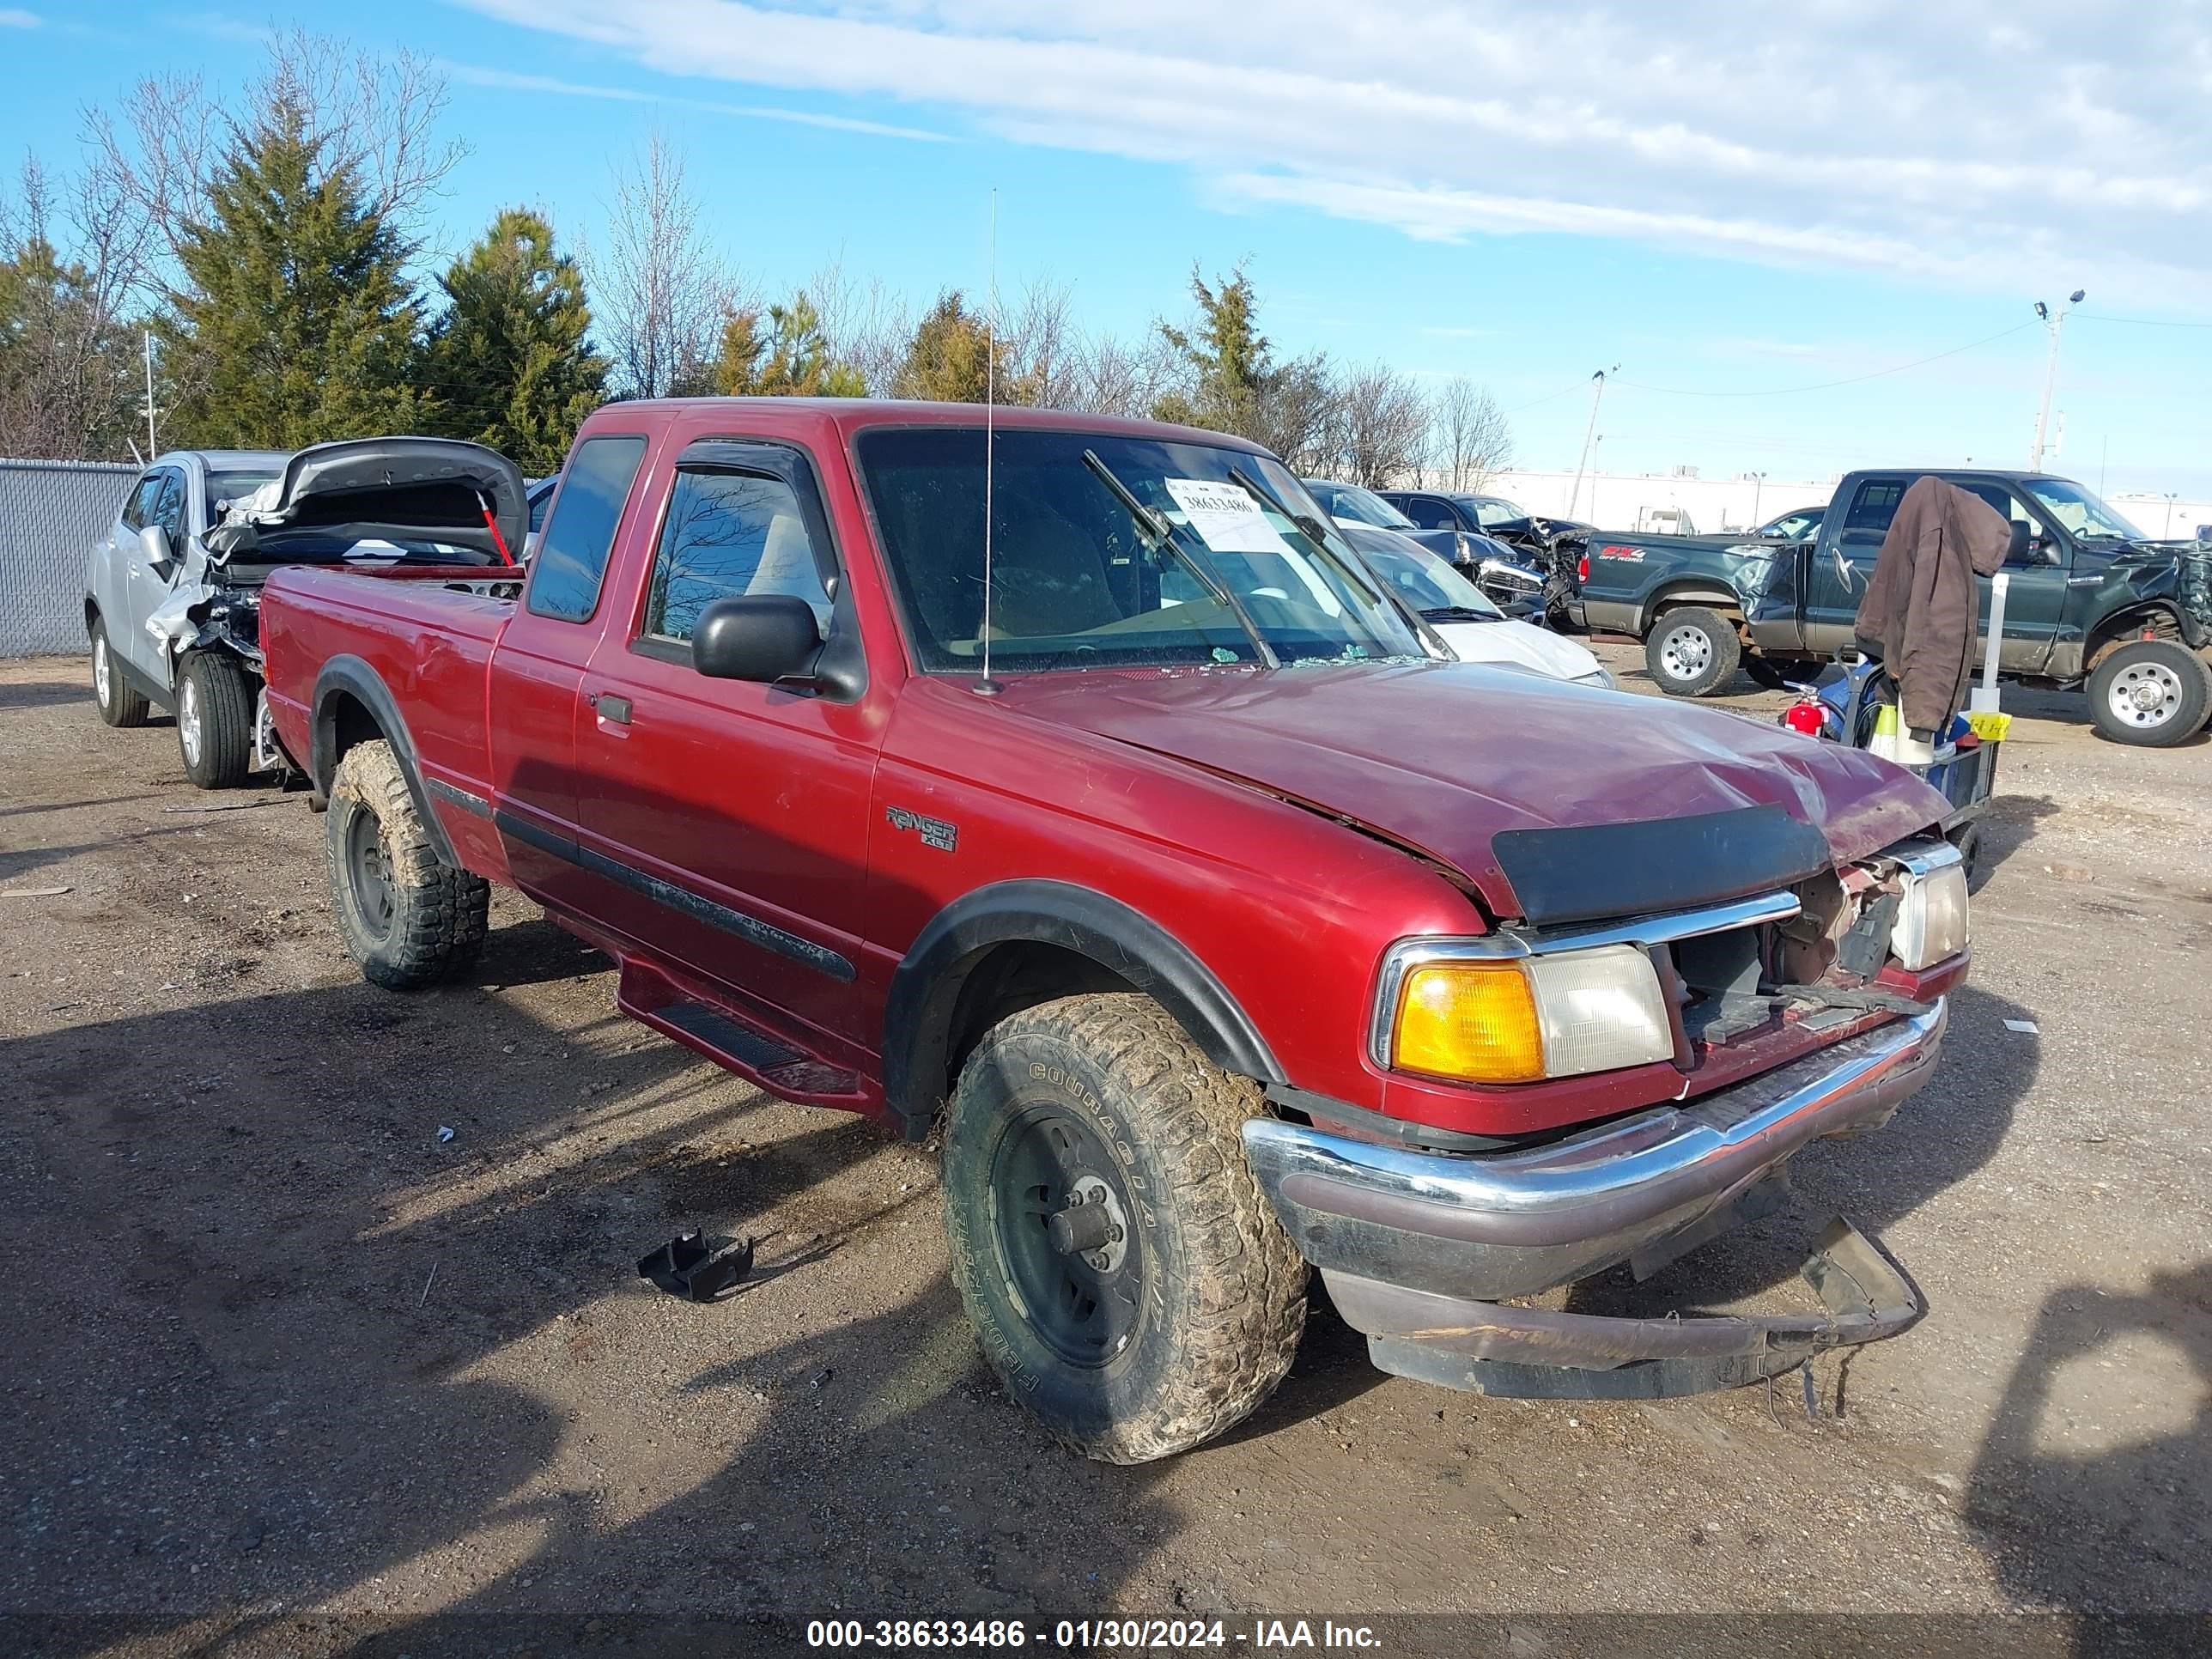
(1586, 872)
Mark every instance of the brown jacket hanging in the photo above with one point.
(1922, 605)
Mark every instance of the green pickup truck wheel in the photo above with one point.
(1128, 1281)
(1692, 651)
(2152, 694)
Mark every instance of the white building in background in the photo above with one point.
(1682, 500)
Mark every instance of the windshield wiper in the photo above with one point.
(1159, 536)
(1361, 580)
(1461, 613)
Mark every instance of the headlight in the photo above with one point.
(1516, 1019)
(1931, 911)
(1603, 676)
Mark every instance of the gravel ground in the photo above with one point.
(288, 1373)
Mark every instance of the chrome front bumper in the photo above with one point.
(1487, 1226)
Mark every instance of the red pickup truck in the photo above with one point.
(1065, 788)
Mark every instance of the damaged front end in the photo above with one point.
(1810, 1012)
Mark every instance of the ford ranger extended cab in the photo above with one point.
(1065, 790)
(2089, 599)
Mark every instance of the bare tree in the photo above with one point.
(375, 116)
(69, 360)
(1382, 425)
(659, 292)
(1113, 376)
(1045, 348)
(866, 325)
(1472, 439)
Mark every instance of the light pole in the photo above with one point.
(1589, 433)
(1758, 483)
(2052, 324)
(2168, 530)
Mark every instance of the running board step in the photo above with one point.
(734, 1042)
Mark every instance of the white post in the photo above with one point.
(152, 448)
(1984, 698)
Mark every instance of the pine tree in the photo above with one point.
(509, 360)
(1234, 383)
(792, 361)
(951, 360)
(295, 322)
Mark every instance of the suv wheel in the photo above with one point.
(1692, 651)
(119, 704)
(215, 719)
(2151, 694)
(1129, 1281)
(408, 917)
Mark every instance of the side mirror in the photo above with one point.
(762, 637)
(2016, 547)
(154, 544)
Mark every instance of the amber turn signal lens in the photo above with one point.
(1475, 1021)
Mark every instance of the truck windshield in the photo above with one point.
(1076, 582)
(225, 487)
(2089, 519)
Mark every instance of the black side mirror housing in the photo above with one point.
(762, 637)
(2016, 547)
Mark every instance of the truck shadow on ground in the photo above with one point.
(380, 1343)
(2087, 1500)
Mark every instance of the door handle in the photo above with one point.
(614, 710)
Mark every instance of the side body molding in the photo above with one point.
(350, 676)
(925, 990)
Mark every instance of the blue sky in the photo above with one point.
(1745, 210)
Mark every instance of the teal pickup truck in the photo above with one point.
(2090, 600)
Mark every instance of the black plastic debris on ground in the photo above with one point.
(697, 1267)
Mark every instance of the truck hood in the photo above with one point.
(1445, 759)
(399, 491)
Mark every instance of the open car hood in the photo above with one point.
(1555, 801)
(392, 489)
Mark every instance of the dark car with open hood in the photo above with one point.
(173, 592)
(1064, 791)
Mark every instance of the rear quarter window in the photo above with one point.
(572, 559)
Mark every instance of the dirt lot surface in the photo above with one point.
(287, 1372)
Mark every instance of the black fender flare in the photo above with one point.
(924, 989)
(349, 675)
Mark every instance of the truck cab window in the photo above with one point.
(2010, 506)
(1874, 506)
(571, 559)
(727, 534)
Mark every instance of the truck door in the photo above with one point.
(730, 819)
(538, 668)
(2035, 596)
(1843, 561)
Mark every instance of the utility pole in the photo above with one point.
(1589, 433)
(152, 448)
(1758, 483)
(2168, 530)
(2052, 323)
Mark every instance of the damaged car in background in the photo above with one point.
(172, 594)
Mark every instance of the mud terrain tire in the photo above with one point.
(408, 918)
(1200, 1295)
(120, 705)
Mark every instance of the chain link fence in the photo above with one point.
(51, 513)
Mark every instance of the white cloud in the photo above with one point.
(1977, 144)
(508, 80)
(12, 19)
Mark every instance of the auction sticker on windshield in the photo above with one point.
(1226, 519)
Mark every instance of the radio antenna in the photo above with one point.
(987, 687)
